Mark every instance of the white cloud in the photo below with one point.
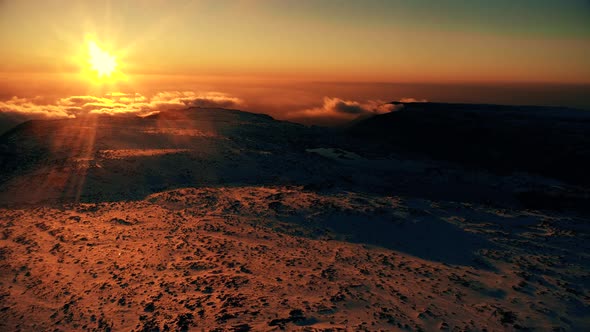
(339, 108)
(116, 103)
(412, 100)
(23, 109)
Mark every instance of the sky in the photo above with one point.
(256, 44)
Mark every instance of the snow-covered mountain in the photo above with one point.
(435, 216)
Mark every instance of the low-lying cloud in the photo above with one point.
(331, 110)
(412, 100)
(340, 110)
(23, 108)
(116, 103)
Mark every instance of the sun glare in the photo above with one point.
(101, 61)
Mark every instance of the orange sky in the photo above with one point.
(293, 57)
(420, 41)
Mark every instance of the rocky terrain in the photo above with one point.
(211, 219)
(270, 258)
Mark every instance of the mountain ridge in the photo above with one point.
(500, 138)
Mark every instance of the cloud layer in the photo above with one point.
(343, 110)
(413, 100)
(113, 104)
(331, 111)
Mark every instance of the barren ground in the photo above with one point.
(271, 258)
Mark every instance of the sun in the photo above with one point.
(101, 61)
